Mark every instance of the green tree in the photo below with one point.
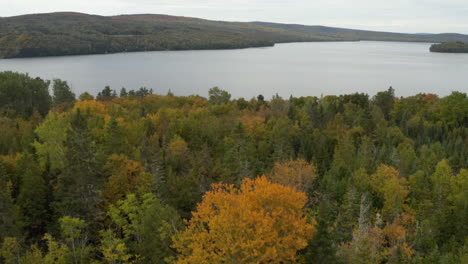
(218, 96)
(10, 251)
(57, 253)
(147, 226)
(62, 93)
(115, 141)
(79, 183)
(73, 231)
(113, 249)
(123, 92)
(8, 210)
(454, 109)
(23, 94)
(385, 100)
(32, 199)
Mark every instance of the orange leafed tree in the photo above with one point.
(298, 174)
(261, 222)
(125, 176)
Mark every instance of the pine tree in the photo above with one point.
(79, 183)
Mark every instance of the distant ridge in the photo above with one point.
(357, 34)
(71, 33)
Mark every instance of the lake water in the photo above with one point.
(299, 69)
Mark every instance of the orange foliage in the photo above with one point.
(396, 234)
(126, 176)
(298, 174)
(254, 125)
(261, 222)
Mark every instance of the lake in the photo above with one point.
(300, 69)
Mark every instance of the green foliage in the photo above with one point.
(57, 253)
(52, 133)
(32, 198)
(73, 231)
(22, 95)
(62, 93)
(450, 47)
(10, 251)
(218, 96)
(147, 226)
(454, 109)
(109, 180)
(113, 249)
(56, 34)
(79, 182)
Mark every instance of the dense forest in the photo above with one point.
(55, 34)
(134, 177)
(450, 47)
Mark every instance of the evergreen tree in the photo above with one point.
(62, 93)
(32, 199)
(79, 183)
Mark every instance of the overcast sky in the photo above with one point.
(412, 16)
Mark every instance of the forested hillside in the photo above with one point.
(74, 33)
(355, 34)
(55, 34)
(134, 177)
(450, 47)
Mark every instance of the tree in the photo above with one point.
(10, 251)
(115, 141)
(62, 93)
(51, 135)
(8, 210)
(385, 101)
(86, 96)
(366, 244)
(23, 95)
(32, 199)
(78, 185)
(147, 226)
(261, 222)
(113, 249)
(393, 189)
(322, 247)
(73, 231)
(218, 96)
(298, 174)
(106, 94)
(125, 176)
(454, 109)
(57, 253)
(123, 92)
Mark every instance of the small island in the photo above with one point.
(450, 47)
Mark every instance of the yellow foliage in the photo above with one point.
(93, 106)
(298, 174)
(254, 125)
(261, 222)
(394, 190)
(126, 176)
(396, 234)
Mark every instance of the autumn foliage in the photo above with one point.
(261, 222)
(298, 174)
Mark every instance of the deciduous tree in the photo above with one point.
(261, 222)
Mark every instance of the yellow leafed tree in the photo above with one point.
(298, 174)
(261, 222)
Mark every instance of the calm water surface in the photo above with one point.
(299, 68)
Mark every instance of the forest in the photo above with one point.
(129, 176)
(69, 33)
(450, 47)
